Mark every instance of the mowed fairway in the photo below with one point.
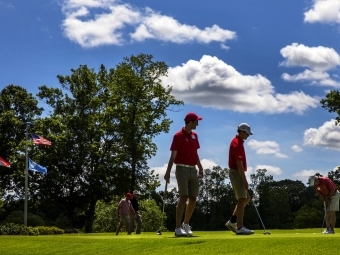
(308, 241)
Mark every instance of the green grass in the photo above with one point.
(306, 241)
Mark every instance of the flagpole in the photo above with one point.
(26, 178)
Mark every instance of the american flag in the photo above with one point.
(39, 140)
(4, 163)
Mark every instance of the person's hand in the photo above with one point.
(328, 201)
(200, 173)
(167, 177)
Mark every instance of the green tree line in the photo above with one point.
(102, 125)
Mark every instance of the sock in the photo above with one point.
(233, 219)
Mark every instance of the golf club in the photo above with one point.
(264, 229)
(159, 232)
(324, 218)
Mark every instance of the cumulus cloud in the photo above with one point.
(326, 136)
(304, 174)
(296, 148)
(271, 170)
(318, 60)
(324, 11)
(315, 78)
(266, 148)
(210, 82)
(92, 23)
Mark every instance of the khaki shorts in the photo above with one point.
(236, 181)
(187, 181)
(334, 205)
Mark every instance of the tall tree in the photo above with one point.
(143, 103)
(332, 103)
(84, 166)
(17, 109)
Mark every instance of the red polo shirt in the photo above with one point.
(186, 146)
(236, 153)
(325, 186)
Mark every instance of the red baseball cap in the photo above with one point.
(128, 195)
(191, 116)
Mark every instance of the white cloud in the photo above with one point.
(271, 170)
(87, 26)
(304, 174)
(165, 28)
(224, 47)
(327, 135)
(296, 148)
(316, 58)
(318, 78)
(210, 82)
(266, 148)
(324, 11)
(208, 163)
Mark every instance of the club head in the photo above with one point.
(158, 232)
(266, 233)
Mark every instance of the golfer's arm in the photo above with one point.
(171, 161)
(241, 169)
(199, 164)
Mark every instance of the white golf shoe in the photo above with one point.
(231, 226)
(244, 231)
(187, 229)
(180, 232)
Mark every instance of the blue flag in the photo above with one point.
(35, 167)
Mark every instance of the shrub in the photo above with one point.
(43, 230)
(16, 229)
(17, 217)
(71, 231)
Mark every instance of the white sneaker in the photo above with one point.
(329, 231)
(325, 231)
(187, 229)
(180, 232)
(244, 231)
(231, 226)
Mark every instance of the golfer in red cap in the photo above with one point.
(124, 210)
(184, 154)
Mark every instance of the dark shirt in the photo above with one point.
(134, 203)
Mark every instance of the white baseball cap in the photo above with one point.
(245, 127)
(136, 192)
(311, 180)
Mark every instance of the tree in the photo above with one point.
(142, 102)
(83, 166)
(102, 126)
(17, 109)
(332, 103)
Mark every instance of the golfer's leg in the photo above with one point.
(190, 209)
(239, 211)
(139, 224)
(119, 226)
(180, 210)
(332, 219)
(328, 220)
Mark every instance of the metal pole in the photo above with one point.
(26, 178)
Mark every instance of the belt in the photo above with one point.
(189, 166)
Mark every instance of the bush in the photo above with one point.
(16, 229)
(71, 231)
(43, 230)
(17, 217)
(106, 219)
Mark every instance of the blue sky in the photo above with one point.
(264, 62)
